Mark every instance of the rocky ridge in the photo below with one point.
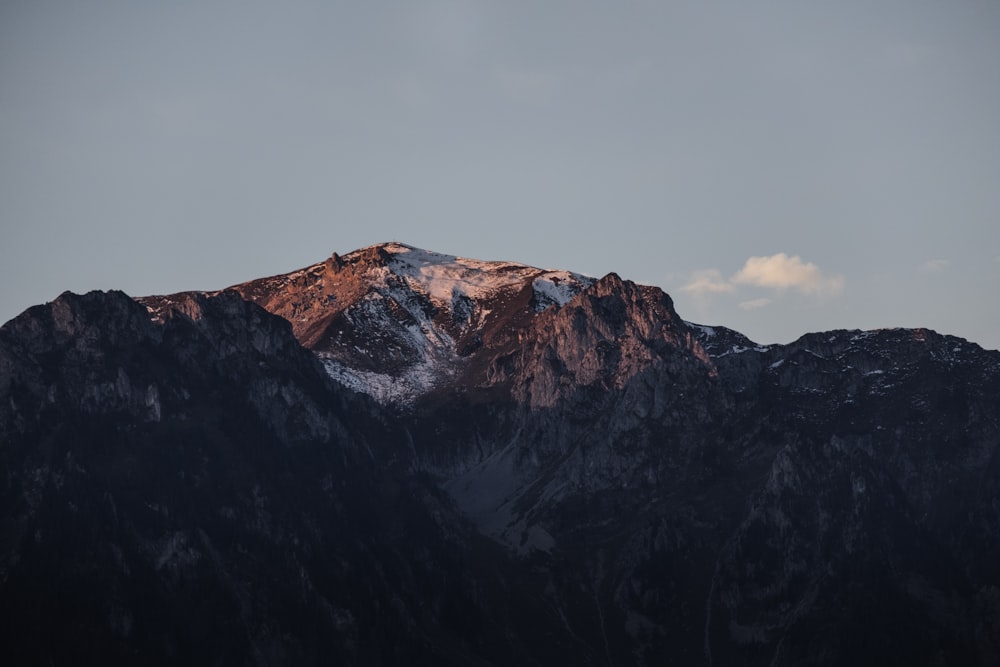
(642, 488)
(395, 321)
(193, 488)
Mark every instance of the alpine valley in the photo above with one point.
(400, 457)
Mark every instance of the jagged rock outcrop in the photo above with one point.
(195, 489)
(888, 473)
(604, 338)
(435, 459)
(397, 322)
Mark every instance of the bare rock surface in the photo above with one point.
(397, 456)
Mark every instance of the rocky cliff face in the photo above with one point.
(195, 489)
(396, 322)
(446, 460)
(888, 469)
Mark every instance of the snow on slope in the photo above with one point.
(443, 277)
(463, 294)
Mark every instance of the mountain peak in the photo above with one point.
(394, 320)
(652, 490)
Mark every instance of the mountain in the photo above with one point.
(397, 456)
(396, 322)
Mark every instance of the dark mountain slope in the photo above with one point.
(195, 490)
(538, 467)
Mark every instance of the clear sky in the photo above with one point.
(777, 167)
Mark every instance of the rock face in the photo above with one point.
(416, 458)
(886, 476)
(396, 322)
(196, 489)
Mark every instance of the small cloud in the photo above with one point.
(707, 281)
(781, 272)
(753, 304)
(933, 266)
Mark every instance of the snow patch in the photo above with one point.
(558, 287)
(430, 351)
(445, 277)
(740, 349)
(706, 331)
(401, 389)
(426, 284)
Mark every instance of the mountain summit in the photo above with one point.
(395, 321)
(397, 456)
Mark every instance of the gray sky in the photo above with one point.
(777, 167)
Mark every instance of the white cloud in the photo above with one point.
(933, 266)
(753, 304)
(779, 272)
(782, 272)
(707, 281)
